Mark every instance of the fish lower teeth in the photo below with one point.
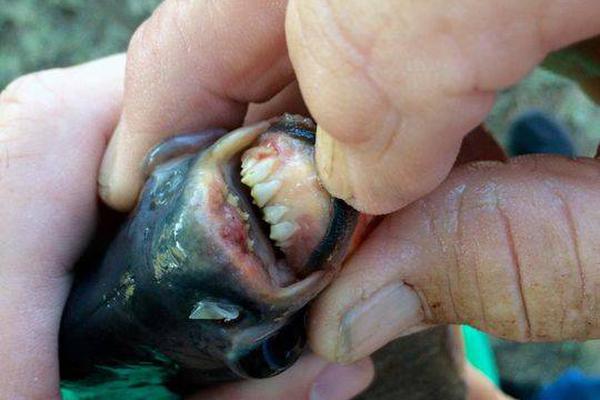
(258, 172)
(273, 214)
(283, 231)
(211, 310)
(233, 200)
(263, 192)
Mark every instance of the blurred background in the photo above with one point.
(39, 34)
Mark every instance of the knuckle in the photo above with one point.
(32, 97)
(443, 299)
(164, 30)
(482, 257)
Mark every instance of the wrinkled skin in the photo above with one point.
(188, 285)
(436, 355)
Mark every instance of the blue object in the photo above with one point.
(573, 384)
(537, 132)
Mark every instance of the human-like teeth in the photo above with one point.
(283, 231)
(263, 192)
(233, 200)
(248, 162)
(258, 172)
(273, 214)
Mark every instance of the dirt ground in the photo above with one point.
(38, 34)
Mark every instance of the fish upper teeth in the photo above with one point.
(248, 163)
(273, 214)
(283, 231)
(263, 192)
(258, 172)
(257, 166)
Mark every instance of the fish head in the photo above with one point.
(239, 236)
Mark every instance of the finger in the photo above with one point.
(289, 100)
(312, 377)
(53, 129)
(394, 88)
(193, 65)
(508, 248)
(479, 387)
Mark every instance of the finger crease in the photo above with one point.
(570, 219)
(461, 237)
(517, 267)
(434, 232)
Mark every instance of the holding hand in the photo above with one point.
(54, 126)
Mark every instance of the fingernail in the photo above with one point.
(331, 163)
(342, 382)
(119, 181)
(392, 311)
(107, 166)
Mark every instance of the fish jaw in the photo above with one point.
(191, 278)
(220, 212)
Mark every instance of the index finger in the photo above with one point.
(193, 65)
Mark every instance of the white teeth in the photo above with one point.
(214, 311)
(233, 200)
(248, 162)
(263, 192)
(283, 231)
(273, 214)
(258, 172)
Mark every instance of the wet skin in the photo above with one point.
(192, 282)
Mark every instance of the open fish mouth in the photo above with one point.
(231, 237)
(263, 198)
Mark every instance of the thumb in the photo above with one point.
(508, 248)
(395, 87)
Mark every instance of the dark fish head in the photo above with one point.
(238, 238)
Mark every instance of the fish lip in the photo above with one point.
(216, 168)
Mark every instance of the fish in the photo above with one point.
(210, 275)
(209, 278)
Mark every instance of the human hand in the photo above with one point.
(508, 248)
(54, 126)
(396, 87)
